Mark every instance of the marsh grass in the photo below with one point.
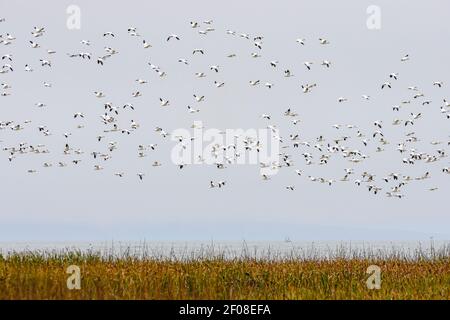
(212, 273)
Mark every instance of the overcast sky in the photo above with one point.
(78, 203)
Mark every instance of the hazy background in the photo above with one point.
(76, 203)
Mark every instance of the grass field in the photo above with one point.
(43, 276)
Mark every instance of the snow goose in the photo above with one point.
(7, 56)
(173, 36)
(146, 44)
(99, 94)
(192, 110)
(141, 176)
(393, 76)
(288, 73)
(219, 84)
(164, 103)
(308, 64)
(326, 63)
(199, 98)
(34, 44)
(45, 62)
(198, 51)
(386, 84)
(405, 58)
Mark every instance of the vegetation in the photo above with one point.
(42, 275)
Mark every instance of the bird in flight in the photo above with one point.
(258, 80)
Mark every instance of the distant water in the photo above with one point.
(260, 250)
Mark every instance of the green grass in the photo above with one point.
(43, 276)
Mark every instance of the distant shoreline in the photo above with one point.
(231, 250)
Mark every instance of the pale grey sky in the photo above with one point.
(77, 203)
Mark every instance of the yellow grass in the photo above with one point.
(43, 276)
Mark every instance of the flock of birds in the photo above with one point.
(314, 152)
